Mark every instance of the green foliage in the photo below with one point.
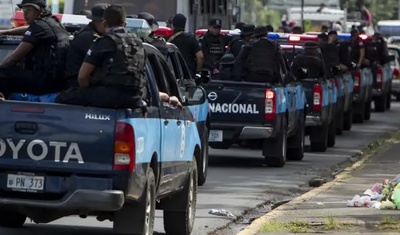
(254, 11)
(380, 9)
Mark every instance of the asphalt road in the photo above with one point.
(238, 181)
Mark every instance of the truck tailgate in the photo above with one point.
(236, 101)
(54, 137)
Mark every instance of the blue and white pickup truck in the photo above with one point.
(200, 112)
(59, 160)
(362, 88)
(321, 95)
(270, 116)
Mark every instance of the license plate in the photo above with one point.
(25, 182)
(215, 136)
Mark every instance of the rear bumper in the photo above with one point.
(377, 92)
(90, 200)
(313, 120)
(232, 132)
(395, 86)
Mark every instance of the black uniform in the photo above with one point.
(258, 61)
(44, 67)
(188, 46)
(77, 52)
(213, 48)
(119, 79)
(313, 64)
(356, 45)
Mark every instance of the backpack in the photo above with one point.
(264, 57)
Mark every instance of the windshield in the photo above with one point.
(388, 31)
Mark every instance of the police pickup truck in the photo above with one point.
(321, 96)
(362, 89)
(382, 74)
(266, 115)
(59, 160)
(200, 112)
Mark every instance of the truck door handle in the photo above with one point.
(178, 122)
(28, 128)
(166, 122)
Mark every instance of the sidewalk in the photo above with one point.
(325, 210)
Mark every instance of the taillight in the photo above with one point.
(124, 147)
(270, 104)
(357, 80)
(396, 73)
(379, 76)
(317, 103)
(336, 83)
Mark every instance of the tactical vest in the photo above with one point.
(56, 60)
(125, 69)
(263, 58)
(330, 53)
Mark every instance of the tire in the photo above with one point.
(398, 97)
(138, 218)
(275, 150)
(182, 222)
(359, 117)
(380, 104)
(10, 219)
(296, 153)
(368, 108)
(348, 117)
(202, 164)
(389, 100)
(332, 134)
(319, 139)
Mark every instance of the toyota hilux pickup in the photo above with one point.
(270, 116)
(120, 165)
(200, 112)
(362, 88)
(321, 94)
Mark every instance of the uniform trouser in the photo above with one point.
(15, 79)
(101, 96)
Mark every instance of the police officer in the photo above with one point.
(382, 48)
(297, 30)
(118, 79)
(158, 42)
(357, 53)
(258, 61)
(344, 52)
(43, 47)
(245, 36)
(324, 29)
(309, 60)
(213, 45)
(226, 67)
(82, 42)
(322, 39)
(187, 44)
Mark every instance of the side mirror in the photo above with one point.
(335, 71)
(203, 77)
(301, 73)
(194, 95)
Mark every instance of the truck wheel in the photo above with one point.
(275, 150)
(202, 164)
(138, 217)
(332, 134)
(380, 104)
(389, 100)
(296, 153)
(359, 117)
(319, 139)
(348, 117)
(339, 122)
(368, 108)
(181, 222)
(10, 219)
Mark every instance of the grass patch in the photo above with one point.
(389, 224)
(291, 227)
(331, 223)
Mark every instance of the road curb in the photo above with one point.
(255, 227)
